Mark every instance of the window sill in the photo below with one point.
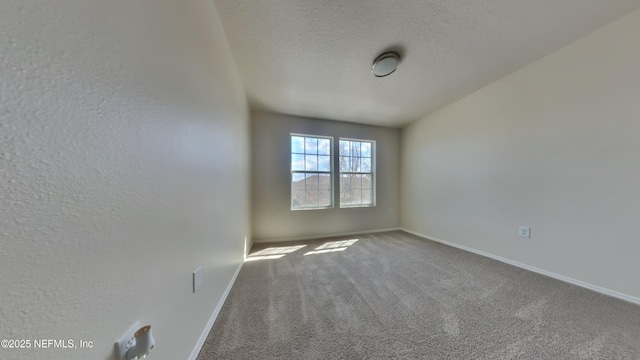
(312, 208)
(356, 206)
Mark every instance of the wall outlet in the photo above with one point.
(126, 341)
(197, 278)
(524, 232)
(274, 218)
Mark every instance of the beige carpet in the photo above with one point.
(396, 296)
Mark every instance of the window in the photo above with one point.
(357, 180)
(311, 172)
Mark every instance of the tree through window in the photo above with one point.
(357, 180)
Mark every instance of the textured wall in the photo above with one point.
(123, 167)
(553, 146)
(271, 179)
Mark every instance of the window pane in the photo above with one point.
(311, 198)
(297, 198)
(297, 177)
(356, 181)
(365, 164)
(297, 162)
(345, 182)
(312, 182)
(366, 182)
(345, 163)
(324, 182)
(345, 196)
(311, 146)
(297, 144)
(344, 147)
(324, 163)
(325, 198)
(355, 164)
(311, 162)
(356, 197)
(324, 147)
(355, 148)
(367, 199)
(366, 149)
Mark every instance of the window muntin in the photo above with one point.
(357, 180)
(311, 172)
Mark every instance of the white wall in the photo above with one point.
(271, 190)
(553, 146)
(123, 166)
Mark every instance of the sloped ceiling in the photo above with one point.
(313, 57)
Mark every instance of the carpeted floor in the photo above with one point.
(395, 295)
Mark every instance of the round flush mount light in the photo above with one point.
(385, 64)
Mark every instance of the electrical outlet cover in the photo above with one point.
(126, 341)
(524, 232)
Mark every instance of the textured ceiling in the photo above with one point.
(313, 57)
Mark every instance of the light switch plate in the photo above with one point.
(524, 232)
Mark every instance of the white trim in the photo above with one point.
(312, 237)
(205, 333)
(599, 289)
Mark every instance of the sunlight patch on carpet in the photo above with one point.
(332, 246)
(271, 253)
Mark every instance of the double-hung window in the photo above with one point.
(311, 172)
(312, 159)
(357, 177)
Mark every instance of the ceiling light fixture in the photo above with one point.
(385, 64)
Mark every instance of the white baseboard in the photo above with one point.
(312, 237)
(214, 316)
(605, 291)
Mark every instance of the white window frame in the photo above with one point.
(372, 173)
(293, 172)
